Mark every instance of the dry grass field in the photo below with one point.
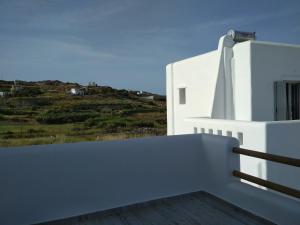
(45, 113)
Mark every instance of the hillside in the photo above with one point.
(47, 112)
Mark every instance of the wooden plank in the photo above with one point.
(242, 215)
(268, 184)
(150, 216)
(168, 214)
(268, 156)
(205, 213)
(189, 209)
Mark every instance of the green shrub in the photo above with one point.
(144, 124)
(29, 133)
(50, 117)
(129, 112)
(30, 92)
(91, 122)
(6, 111)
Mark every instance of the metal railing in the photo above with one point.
(265, 183)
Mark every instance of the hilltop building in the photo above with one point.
(77, 91)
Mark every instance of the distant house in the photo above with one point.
(77, 91)
(4, 94)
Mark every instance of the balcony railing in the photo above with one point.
(268, 184)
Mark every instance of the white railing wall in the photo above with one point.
(276, 137)
(49, 182)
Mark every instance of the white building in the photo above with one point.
(76, 91)
(247, 89)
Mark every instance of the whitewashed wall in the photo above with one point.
(199, 95)
(42, 183)
(257, 65)
(242, 81)
(278, 137)
(270, 62)
(254, 66)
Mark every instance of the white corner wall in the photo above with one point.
(242, 81)
(256, 66)
(170, 99)
(276, 137)
(199, 76)
(270, 62)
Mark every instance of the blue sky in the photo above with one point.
(127, 43)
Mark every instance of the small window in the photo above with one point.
(210, 131)
(203, 130)
(287, 100)
(220, 132)
(182, 96)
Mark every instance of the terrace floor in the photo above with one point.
(189, 209)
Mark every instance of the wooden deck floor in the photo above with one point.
(189, 209)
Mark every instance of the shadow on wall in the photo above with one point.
(283, 140)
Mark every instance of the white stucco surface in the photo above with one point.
(277, 137)
(270, 62)
(185, 74)
(48, 182)
(246, 94)
(242, 81)
(42, 183)
(239, 101)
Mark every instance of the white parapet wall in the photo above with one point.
(49, 182)
(276, 137)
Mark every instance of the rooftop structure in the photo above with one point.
(247, 89)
